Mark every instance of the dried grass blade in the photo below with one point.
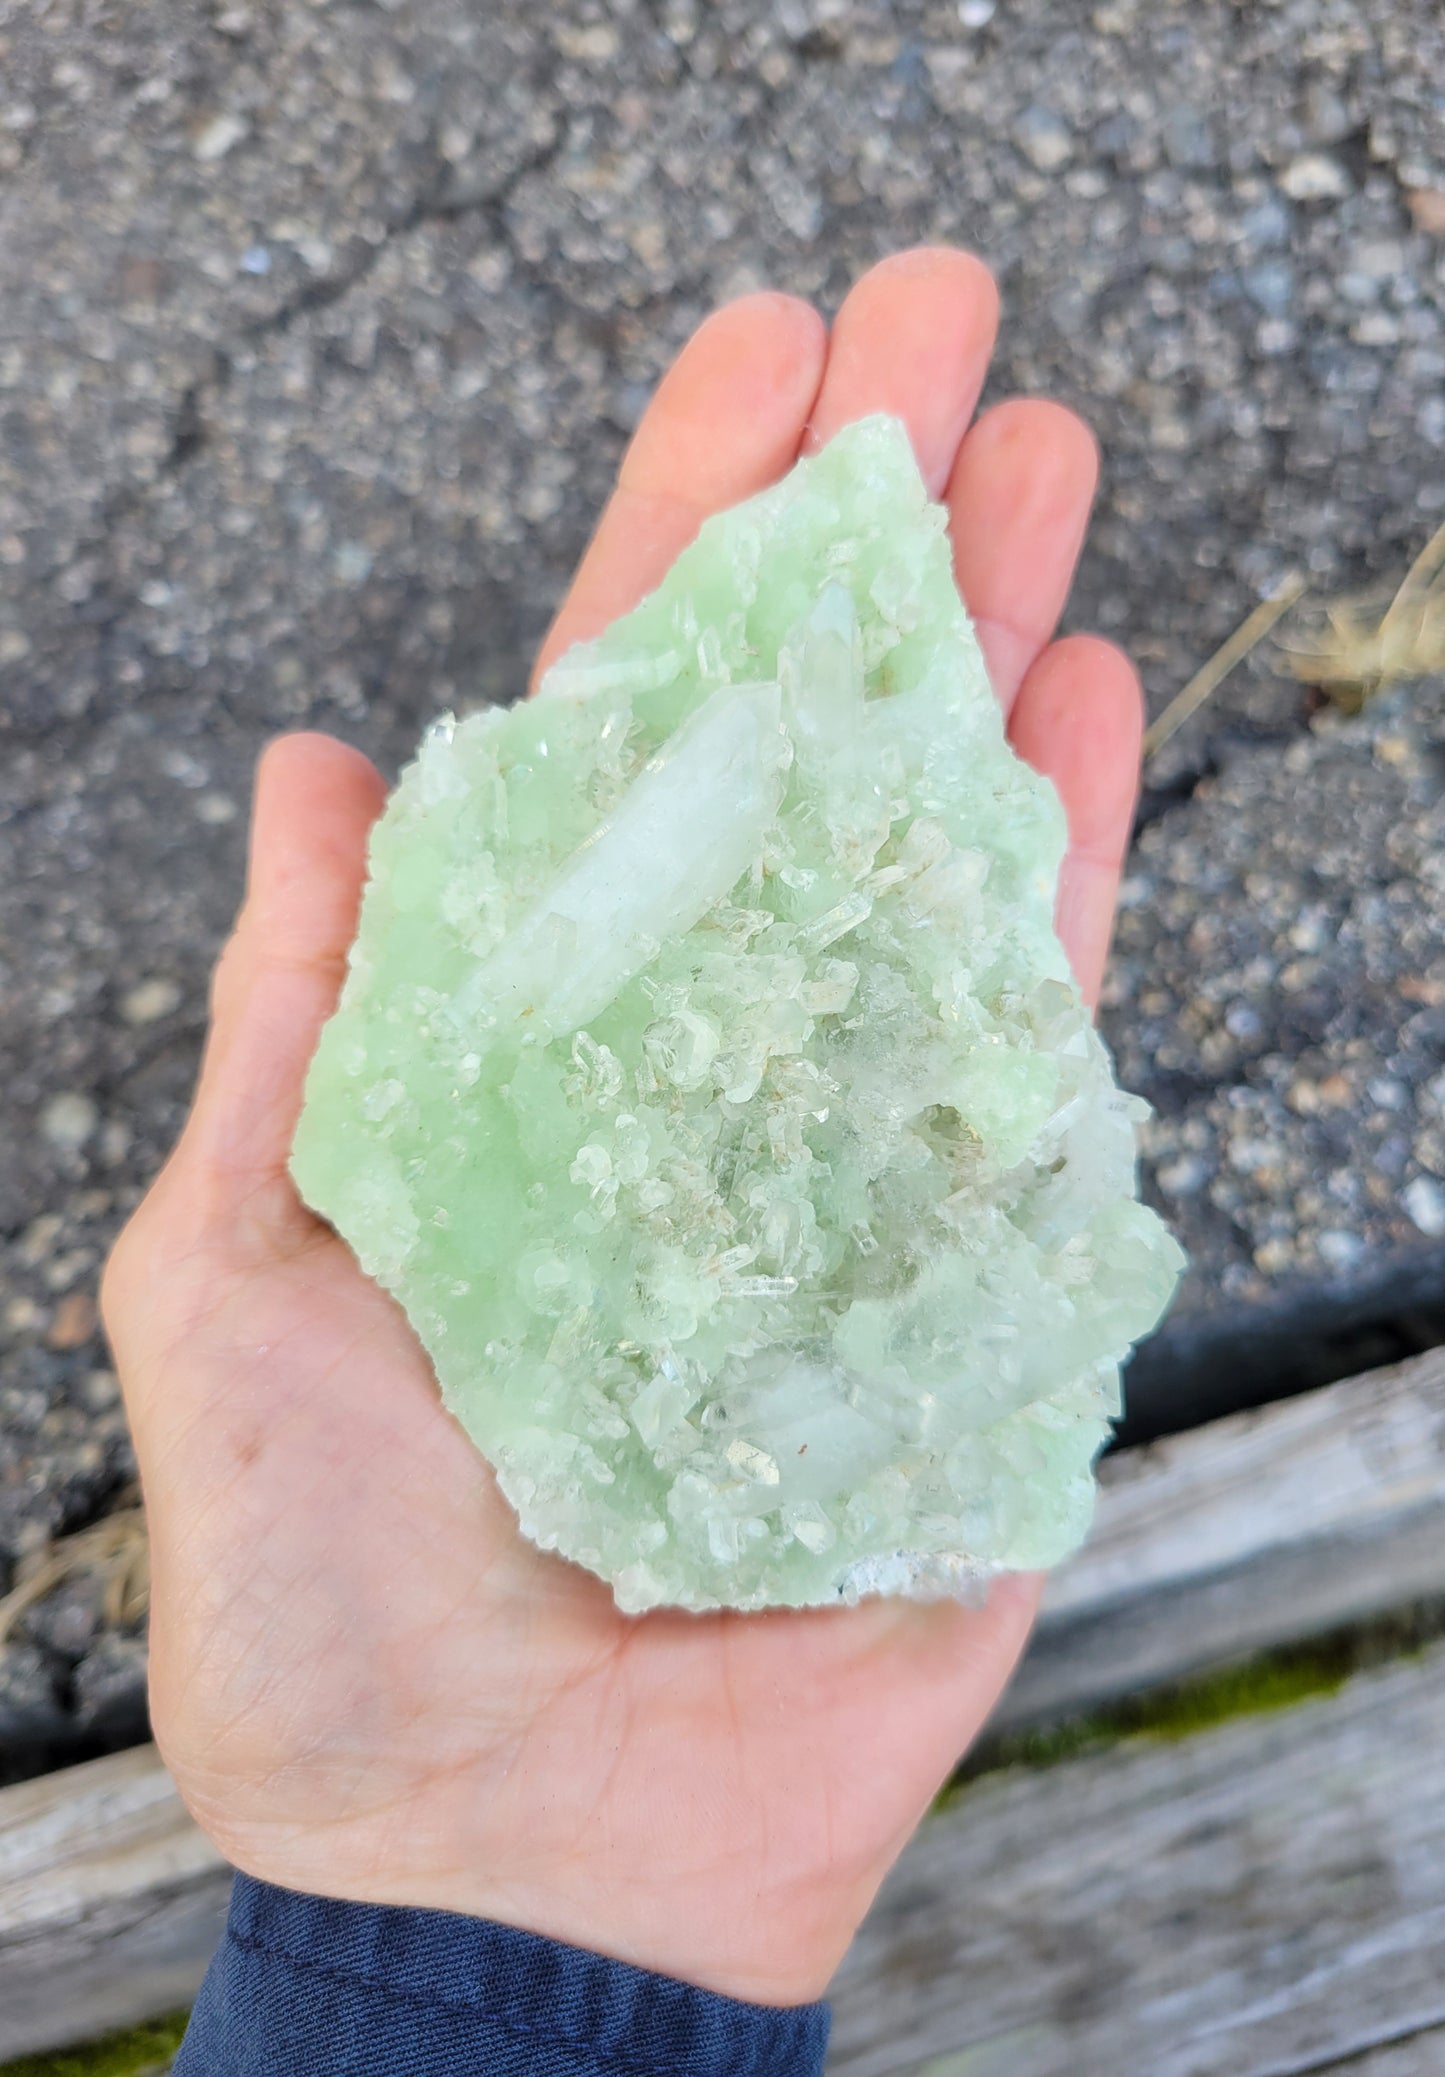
(1211, 676)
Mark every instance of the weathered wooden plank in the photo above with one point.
(1421, 2055)
(1261, 1900)
(1212, 1545)
(1257, 1530)
(111, 1901)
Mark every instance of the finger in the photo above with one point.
(1019, 500)
(912, 339)
(725, 422)
(280, 975)
(1079, 719)
(968, 1655)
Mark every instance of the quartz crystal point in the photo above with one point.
(710, 1087)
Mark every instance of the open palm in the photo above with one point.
(366, 1684)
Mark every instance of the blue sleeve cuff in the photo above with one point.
(310, 1985)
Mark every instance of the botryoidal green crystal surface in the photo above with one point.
(710, 1087)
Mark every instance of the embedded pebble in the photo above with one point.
(68, 1120)
(1424, 1200)
(74, 1323)
(1044, 139)
(220, 135)
(149, 1001)
(1315, 177)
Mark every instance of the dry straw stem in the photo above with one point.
(1358, 651)
(1358, 654)
(117, 1550)
(1212, 675)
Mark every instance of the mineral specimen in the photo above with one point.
(710, 1087)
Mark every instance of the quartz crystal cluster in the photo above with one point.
(710, 1087)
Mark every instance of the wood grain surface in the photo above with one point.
(1266, 1899)
(1034, 1926)
(111, 1901)
(1256, 1531)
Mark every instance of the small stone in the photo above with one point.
(142, 278)
(1275, 336)
(1044, 138)
(1310, 1099)
(1427, 210)
(1340, 1249)
(149, 1001)
(1375, 328)
(1315, 177)
(39, 1238)
(977, 14)
(590, 43)
(1270, 285)
(67, 1620)
(1184, 1177)
(1266, 224)
(74, 1323)
(1379, 259)
(352, 562)
(65, 1269)
(1424, 1200)
(218, 136)
(1274, 1257)
(68, 1121)
(100, 1391)
(115, 1141)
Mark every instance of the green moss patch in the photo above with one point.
(1257, 1688)
(134, 2053)
(1276, 1680)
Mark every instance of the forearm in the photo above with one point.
(306, 1984)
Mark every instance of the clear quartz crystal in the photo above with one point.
(710, 1087)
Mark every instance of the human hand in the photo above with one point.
(365, 1682)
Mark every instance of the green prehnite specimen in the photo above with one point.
(710, 1087)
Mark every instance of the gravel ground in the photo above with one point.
(321, 329)
(1278, 993)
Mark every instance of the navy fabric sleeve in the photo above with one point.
(308, 1987)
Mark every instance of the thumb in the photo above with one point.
(276, 984)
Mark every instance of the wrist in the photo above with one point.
(733, 1947)
(299, 1976)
